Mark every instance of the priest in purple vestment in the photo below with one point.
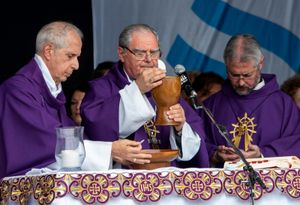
(120, 106)
(261, 120)
(32, 105)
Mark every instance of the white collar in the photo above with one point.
(128, 78)
(54, 89)
(260, 84)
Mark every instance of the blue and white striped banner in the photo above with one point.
(195, 32)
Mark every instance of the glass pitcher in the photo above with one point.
(69, 151)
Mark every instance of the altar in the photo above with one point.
(162, 186)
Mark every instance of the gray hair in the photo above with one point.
(243, 48)
(126, 35)
(55, 33)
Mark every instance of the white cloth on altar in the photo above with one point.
(97, 158)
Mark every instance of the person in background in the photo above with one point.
(207, 84)
(76, 100)
(191, 76)
(79, 92)
(102, 69)
(120, 106)
(260, 119)
(32, 105)
(292, 87)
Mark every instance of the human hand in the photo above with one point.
(128, 151)
(224, 153)
(176, 113)
(252, 152)
(150, 78)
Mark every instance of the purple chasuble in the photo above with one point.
(266, 117)
(29, 116)
(100, 114)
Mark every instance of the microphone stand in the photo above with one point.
(253, 177)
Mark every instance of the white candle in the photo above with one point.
(70, 158)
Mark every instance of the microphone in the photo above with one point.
(191, 93)
(186, 85)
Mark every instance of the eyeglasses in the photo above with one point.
(245, 76)
(141, 54)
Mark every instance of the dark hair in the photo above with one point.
(83, 87)
(291, 85)
(204, 81)
(102, 68)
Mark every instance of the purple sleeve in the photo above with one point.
(100, 112)
(27, 127)
(288, 143)
(200, 160)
